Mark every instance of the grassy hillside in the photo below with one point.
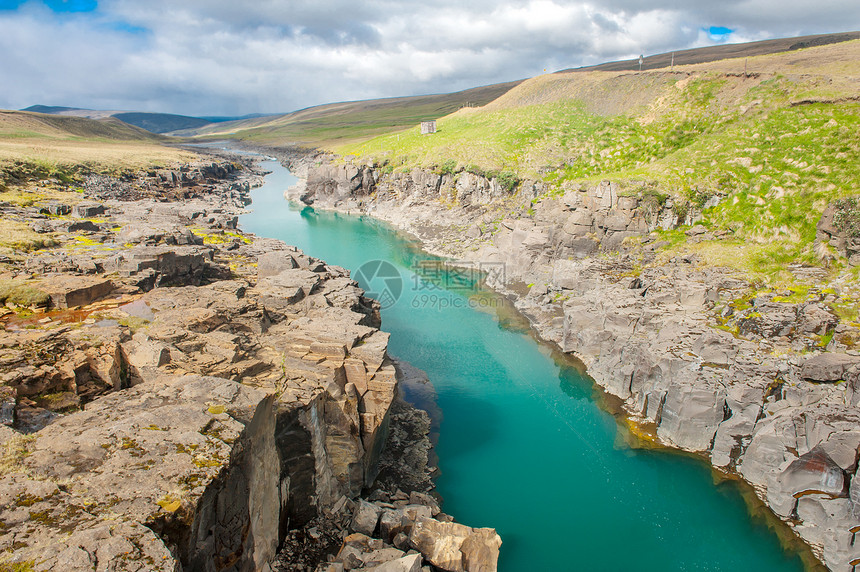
(152, 122)
(161, 122)
(326, 126)
(722, 52)
(776, 145)
(34, 146)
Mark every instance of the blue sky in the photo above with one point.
(208, 57)
(58, 6)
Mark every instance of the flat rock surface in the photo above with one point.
(107, 474)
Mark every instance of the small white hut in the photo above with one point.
(428, 127)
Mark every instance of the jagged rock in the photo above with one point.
(416, 498)
(273, 263)
(82, 226)
(88, 210)
(815, 319)
(381, 555)
(814, 472)
(8, 400)
(72, 291)
(770, 320)
(454, 547)
(411, 563)
(827, 367)
(395, 521)
(366, 518)
(204, 443)
(54, 208)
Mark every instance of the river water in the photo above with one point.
(523, 445)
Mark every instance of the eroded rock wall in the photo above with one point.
(181, 394)
(701, 360)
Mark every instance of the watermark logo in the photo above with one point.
(383, 275)
(437, 284)
(456, 276)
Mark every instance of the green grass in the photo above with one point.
(35, 147)
(13, 453)
(773, 163)
(555, 141)
(21, 294)
(327, 126)
(17, 566)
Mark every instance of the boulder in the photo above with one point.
(56, 209)
(812, 474)
(72, 291)
(273, 263)
(410, 563)
(82, 226)
(365, 518)
(827, 367)
(401, 520)
(88, 210)
(455, 547)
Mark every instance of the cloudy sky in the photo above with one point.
(226, 57)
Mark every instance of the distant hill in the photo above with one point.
(722, 52)
(223, 118)
(31, 124)
(337, 123)
(152, 122)
(161, 122)
(52, 109)
(38, 146)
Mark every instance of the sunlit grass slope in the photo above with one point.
(326, 126)
(34, 146)
(775, 144)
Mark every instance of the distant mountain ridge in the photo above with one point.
(152, 122)
(721, 52)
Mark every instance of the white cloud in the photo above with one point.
(225, 57)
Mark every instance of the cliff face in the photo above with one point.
(231, 388)
(702, 360)
(179, 395)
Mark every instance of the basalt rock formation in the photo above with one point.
(763, 385)
(177, 394)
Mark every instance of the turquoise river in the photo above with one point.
(523, 444)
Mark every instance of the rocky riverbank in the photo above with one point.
(179, 395)
(762, 383)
